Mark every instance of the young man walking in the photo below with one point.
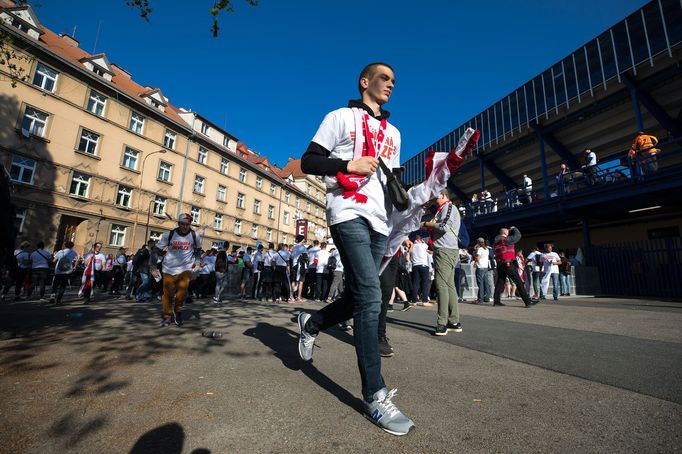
(299, 261)
(445, 244)
(182, 251)
(346, 150)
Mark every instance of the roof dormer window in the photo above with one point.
(23, 19)
(99, 64)
(156, 99)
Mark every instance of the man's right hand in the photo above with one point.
(366, 165)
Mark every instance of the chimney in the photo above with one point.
(121, 72)
(70, 40)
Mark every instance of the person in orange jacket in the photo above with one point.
(644, 151)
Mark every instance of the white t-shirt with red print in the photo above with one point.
(180, 253)
(337, 134)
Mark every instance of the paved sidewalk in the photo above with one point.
(110, 380)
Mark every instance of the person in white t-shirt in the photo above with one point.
(534, 265)
(63, 268)
(322, 273)
(98, 259)
(311, 272)
(40, 268)
(182, 252)
(280, 280)
(346, 150)
(299, 262)
(482, 264)
(22, 257)
(550, 262)
(421, 278)
(336, 287)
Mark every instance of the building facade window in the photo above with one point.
(136, 123)
(130, 158)
(45, 78)
(226, 141)
(287, 197)
(205, 129)
(196, 215)
(259, 182)
(199, 184)
(159, 205)
(285, 238)
(155, 235)
(317, 212)
(96, 103)
(202, 156)
(285, 218)
(218, 222)
(273, 188)
(165, 171)
(118, 235)
(34, 122)
(268, 234)
(242, 175)
(254, 231)
(222, 193)
(307, 206)
(256, 206)
(123, 196)
(297, 202)
(79, 184)
(271, 212)
(88, 142)
(224, 166)
(240, 200)
(169, 139)
(22, 169)
(238, 227)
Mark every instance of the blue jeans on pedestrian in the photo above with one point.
(483, 284)
(361, 250)
(144, 287)
(555, 285)
(421, 282)
(565, 280)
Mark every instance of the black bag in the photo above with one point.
(492, 263)
(303, 259)
(331, 263)
(395, 189)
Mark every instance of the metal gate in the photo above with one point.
(647, 268)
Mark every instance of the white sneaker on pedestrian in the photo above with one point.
(306, 342)
(383, 412)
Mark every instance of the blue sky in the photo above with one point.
(276, 69)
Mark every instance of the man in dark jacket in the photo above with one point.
(507, 265)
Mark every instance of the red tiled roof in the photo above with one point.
(59, 46)
(293, 167)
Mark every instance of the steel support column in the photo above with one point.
(636, 108)
(559, 148)
(502, 177)
(656, 111)
(543, 165)
(482, 167)
(458, 192)
(587, 241)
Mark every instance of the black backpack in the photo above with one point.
(492, 263)
(331, 263)
(303, 259)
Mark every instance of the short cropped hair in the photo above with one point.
(369, 71)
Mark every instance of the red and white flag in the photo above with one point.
(88, 279)
(439, 167)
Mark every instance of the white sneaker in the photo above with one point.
(383, 412)
(306, 343)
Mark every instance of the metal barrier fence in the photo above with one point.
(651, 268)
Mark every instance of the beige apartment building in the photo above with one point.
(93, 155)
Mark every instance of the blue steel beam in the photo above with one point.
(457, 191)
(502, 177)
(658, 112)
(557, 146)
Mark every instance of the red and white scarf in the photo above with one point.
(365, 145)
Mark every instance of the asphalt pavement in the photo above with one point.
(580, 375)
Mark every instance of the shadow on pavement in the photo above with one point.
(284, 343)
(166, 439)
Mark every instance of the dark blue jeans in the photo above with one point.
(421, 282)
(361, 249)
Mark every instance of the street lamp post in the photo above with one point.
(139, 190)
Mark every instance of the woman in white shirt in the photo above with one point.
(280, 279)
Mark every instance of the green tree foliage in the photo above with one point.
(218, 6)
